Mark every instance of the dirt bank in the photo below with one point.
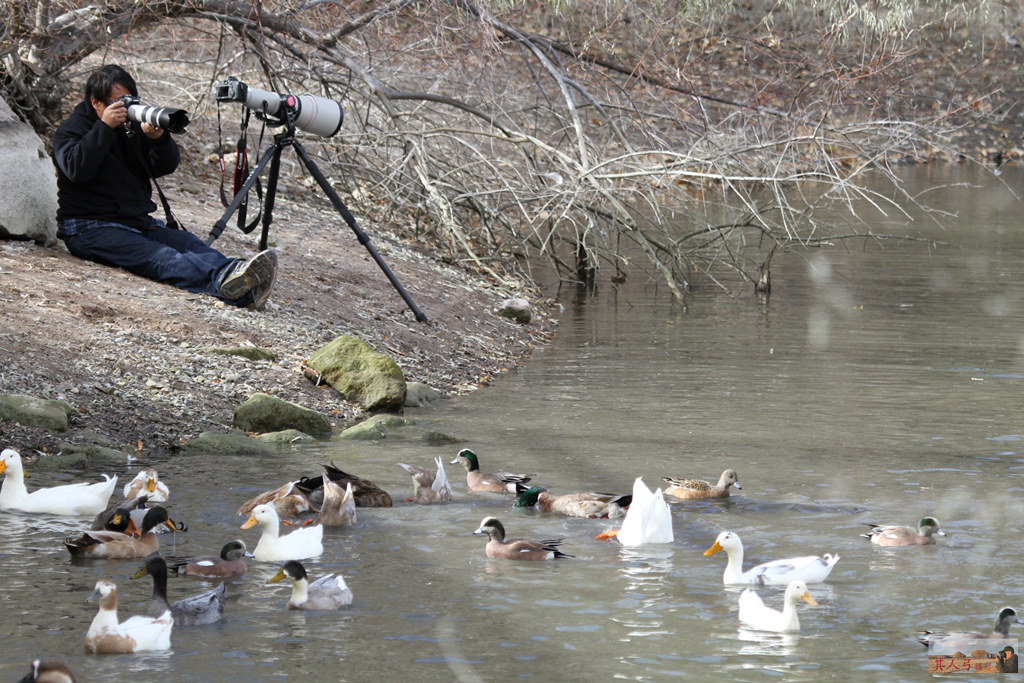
(129, 355)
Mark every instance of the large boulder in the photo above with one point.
(31, 411)
(360, 374)
(28, 185)
(263, 413)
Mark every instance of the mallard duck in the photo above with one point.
(136, 634)
(120, 545)
(810, 569)
(147, 482)
(1006, 618)
(297, 545)
(69, 499)
(366, 493)
(693, 489)
(754, 614)
(516, 548)
(288, 499)
(110, 520)
(204, 608)
(496, 482)
(594, 505)
(139, 514)
(892, 535)
(48, 672)
(231, 562)
(327, 592)
(648, 519)
(429, 487)
(338, 507)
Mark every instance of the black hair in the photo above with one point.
(106, 77)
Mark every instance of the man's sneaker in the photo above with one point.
(261, 292)
(256, 275)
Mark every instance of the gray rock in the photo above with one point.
(234, 443)
(418, 394)
(31, 411)
(286, 437)
(263, 413)
(360, 374)
(250, 352)
(516, 309)
(28, 186)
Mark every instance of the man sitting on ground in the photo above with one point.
(104, 200)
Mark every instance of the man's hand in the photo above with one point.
(115, 114)
(152, 132)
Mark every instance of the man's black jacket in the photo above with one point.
(100, 172)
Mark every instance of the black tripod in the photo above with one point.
(273, 157)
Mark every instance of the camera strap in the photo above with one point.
(241, 172)
(169, 218)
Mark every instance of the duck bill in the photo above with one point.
(3, 466)
(607, 535)
(132, 529)
(250, 523)
(170, 525)
(806, 597)
(737, 485)
(713, 549)
(276, 577)
(139, 574)
(150, 485)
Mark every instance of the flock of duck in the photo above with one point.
(131, 528)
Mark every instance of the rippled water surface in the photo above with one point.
(881, 383)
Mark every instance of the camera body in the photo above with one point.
(309, 113)
(172, 120)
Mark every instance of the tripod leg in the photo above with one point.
(268, 206)
(360, 235)
(273, 152)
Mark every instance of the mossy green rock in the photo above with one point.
(263, 413)
(286, 437)
(235, 443)
(360, 374)
(376, 427)
(31, 411)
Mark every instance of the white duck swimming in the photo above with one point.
(648, 518)
(327, 592)
(147, 482)
(136, 634)
(300, 544)
(810, 569)
(754, 614)
(69, 499)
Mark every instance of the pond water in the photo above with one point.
(881, 383)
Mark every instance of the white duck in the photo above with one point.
(136, 634)
(327, 592)
(754, 614)
(69, 499)
(147, 482)
(300, 544)
(429, 487)
(648, 518)
(810, 569)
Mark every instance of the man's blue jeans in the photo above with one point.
(176, 257)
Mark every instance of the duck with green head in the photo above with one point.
(516, 548)
(230, 562)
(589, 504)
(495, 482)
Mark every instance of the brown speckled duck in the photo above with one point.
(696, 489)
